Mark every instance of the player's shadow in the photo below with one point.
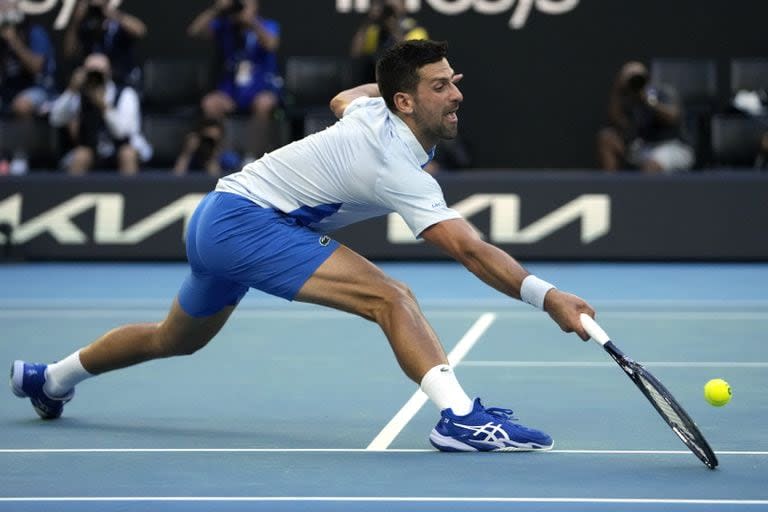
(156, 432)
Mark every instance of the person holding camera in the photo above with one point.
(249, 81)
(203, 150)
(97, 27)
(386, 24)
(104, 120)
(27, 67)
(645, 129)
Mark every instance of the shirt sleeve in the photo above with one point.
(123, 120)
(271, 26)
(39, 42)
(361, 102)
(64, 109)
(416, 197)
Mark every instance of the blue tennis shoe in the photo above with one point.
(27, 380)
(486, 430)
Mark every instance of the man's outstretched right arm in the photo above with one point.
(340, 102)
(501, 271)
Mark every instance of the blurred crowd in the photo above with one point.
(98, 112)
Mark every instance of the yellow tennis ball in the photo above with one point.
(717, 392)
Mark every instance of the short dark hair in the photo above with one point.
(398, 68)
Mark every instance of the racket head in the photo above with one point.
(666, 405)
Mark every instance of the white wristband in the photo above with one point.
(533, 290)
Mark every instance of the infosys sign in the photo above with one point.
(519, 10)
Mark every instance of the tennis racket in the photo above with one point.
(659, 396)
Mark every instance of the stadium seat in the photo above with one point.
(37, 139)
(173, 85)
(310, 83)
(318, 121)
(695, 81)
(166, 134)
(736, 139)
(749, 74)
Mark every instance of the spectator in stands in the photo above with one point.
(203, 150)
(387, 23)
(27, 67)
(645, 126)
(249, 81)
(104, 120)
(761, 162)
(98, 27)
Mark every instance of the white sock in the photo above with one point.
(442, 387)
(63, 375)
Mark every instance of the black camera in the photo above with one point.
(94, 79)
(236, 7)
(637, 83)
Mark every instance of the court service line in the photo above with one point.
(57, 451)
(611, 364)
(384, 499)
(418, 399)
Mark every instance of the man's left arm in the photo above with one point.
(458, 239)
(341, 101)
(32, 57)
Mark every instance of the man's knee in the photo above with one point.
(393, 295)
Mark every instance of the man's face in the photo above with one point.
(436, 101)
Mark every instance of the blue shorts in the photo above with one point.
(234, 244)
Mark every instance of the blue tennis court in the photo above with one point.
(294, 407)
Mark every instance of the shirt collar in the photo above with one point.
(406, 135)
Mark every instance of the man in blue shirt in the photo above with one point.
(98, 27)
(249, 81)
(27, 67)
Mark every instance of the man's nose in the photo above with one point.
(457, 95)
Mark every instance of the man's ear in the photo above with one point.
(404, 102)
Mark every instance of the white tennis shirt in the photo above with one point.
(367, 164)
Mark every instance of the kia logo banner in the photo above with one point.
(554, 216)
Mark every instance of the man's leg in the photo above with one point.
(50, 386)
(179, 334)
(349, 282)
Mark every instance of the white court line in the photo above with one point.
(54, 451)
(385, 499)
(611, 364)
(418, 399)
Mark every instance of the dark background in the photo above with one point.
(534, 97)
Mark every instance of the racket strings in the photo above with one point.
(666, 408)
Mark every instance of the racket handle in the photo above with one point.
(595, 331)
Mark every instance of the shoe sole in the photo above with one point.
(449, 444)
(16, 379)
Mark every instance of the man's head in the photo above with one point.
(419, 85)
(97, 70)
(242, 12)
(633, 76)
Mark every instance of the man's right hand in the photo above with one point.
(222, 5)
(77, 80)
(565, 308)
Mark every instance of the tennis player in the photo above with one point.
(265, 227)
